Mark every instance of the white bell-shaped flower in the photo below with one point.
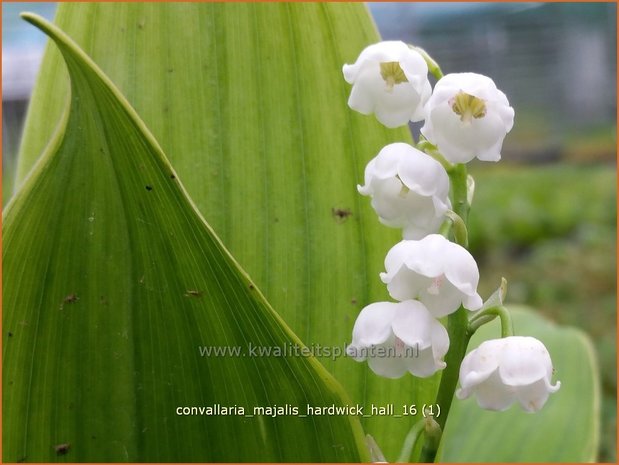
(390, 80)
(399, 337)
(439, 273)
(502, 371)
(409, 190)
(467, 117)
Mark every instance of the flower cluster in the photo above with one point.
(466, 116)
(430, 277)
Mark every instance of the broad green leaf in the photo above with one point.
(249, 104)
(112, 281)
(565, 430)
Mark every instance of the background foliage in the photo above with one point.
(555, 242)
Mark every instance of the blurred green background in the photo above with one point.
(545, 216)
(550, 230)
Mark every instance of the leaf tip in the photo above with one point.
(30, 17)
(37, 21)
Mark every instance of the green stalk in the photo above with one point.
(457, 323)
(433, 435)
(410, 441)
(461, 235)
(458, 178)
(489, 314)
(460, 331)
(433, 67)
(457, 326)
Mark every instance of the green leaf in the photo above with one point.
(249, 104)
(565, 430)
(112, 281)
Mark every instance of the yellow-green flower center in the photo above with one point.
(467, 107)
(392, 73)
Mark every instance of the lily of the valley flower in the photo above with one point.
(399, 337)
(409, 190)
(467, 117)
(502, 371)
(439, 273)
(390, 80)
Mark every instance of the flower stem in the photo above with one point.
(457, 323)
(430, 149)
(458, 178)
(489, 314)
(445, 228)
(433, 67)
(433, 435)
(459, 228)
(410, 441)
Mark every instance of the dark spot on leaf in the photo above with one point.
(340, 214)
(93, 437)
(277, 220)
(62, 449)
(172, 176)
(70, 299)
(21, 459)
(170, 70)
(353, 301)
(10, 334)
(251, 287)
(193, 293)
(141, 24)
(149, 187)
